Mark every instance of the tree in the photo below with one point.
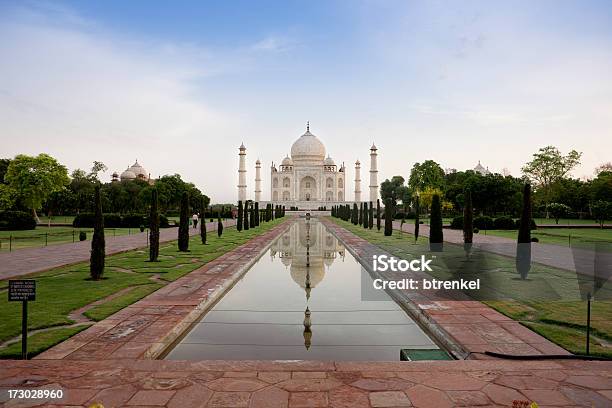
(366, 215)
(558, 210)
(602, 211)
(96, 259)
(355, 214)
(360, 219)
(245, 219)
(257, 214)
(371, 216)
(524, 232)
(549, 165)
(394, 190)
(436, 235)
(203, 222)
(97, 167)
(183, 232)
(219, 225)
(239, 218)
(154, 228)
(426, 174)
(523, 247)
(388, 217)
(34, 179)
(7, 197)
(468, 218)
(378, 214)
(417, 222)
(252, 216)
(604, 167)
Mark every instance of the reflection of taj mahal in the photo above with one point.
(308, 179)
(307, 263)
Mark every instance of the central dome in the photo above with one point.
(308, 148)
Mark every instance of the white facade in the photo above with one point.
(307, 179)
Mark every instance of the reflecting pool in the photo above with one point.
(302, 301)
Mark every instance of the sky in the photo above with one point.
(180, 85)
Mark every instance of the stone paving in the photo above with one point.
(31, 260)
(268, 384)
(557, 256)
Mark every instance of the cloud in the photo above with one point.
(71, 88)
(274, 44)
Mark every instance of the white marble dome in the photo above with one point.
(308, 147)
(128, 175)
(329, 161)
(287, 161)
(138, 170)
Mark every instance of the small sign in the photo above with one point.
(22, 290)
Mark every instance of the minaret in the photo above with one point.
(257, 181)
(357, 181)
(373, 174)
(242, 186)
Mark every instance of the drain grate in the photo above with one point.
(423, 354)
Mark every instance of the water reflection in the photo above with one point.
(303, 301)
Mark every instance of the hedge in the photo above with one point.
(504, 223)
(483, 222)
(457, 223)
(86, 220)
(17, 220)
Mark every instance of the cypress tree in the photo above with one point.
(245, 219)
(203, 222)
(251, 216)
(436, 236)
(523, 247)
(388, 218)
(360, 219)
(468, 218)
(366, 216)
(98, 250)
(417, 221)
(239, 218)
(257, 214)
(268, 212)
(219, 226)
(355, 214)
(524, 232)
(378, 214)
(183, 232)
(154, 227)
(371, 216)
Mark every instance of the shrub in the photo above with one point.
(183, 232)
(132, 220)
(483, 222)
(504, 223)
(535, 239)
(82, 236)
(98, 245)
(83, 220)
(476, 230)
(533, 224)
(154, 223)
(457, 223)
(436, 235)
(112, 221)
(17, 220)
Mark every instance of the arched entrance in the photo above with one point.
(308, 189)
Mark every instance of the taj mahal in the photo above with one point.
(308, 179)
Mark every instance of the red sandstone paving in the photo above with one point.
(31, 260)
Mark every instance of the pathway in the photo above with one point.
(288, 384)
(30, 260)
(556, 256)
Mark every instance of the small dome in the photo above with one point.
(308, 148)
(128, 175)
(329, 161)
(138, 170)
(287, 161)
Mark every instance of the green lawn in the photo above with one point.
(62, 290)
(563, 322)
(583, 237)
(43, 236)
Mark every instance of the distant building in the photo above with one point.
(481, 170)
(134, 172)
